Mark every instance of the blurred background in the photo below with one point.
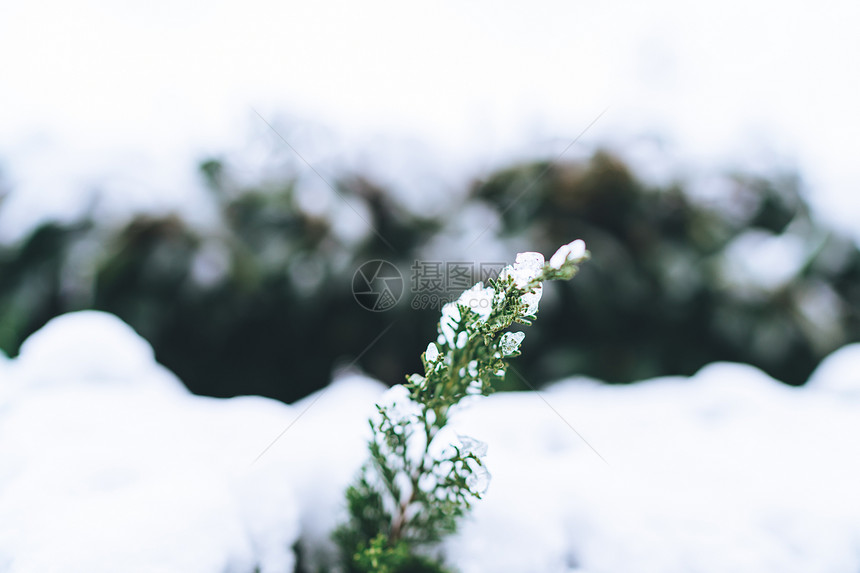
(215, 175)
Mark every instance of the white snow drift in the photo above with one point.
(108, 464)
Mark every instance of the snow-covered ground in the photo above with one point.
(107, 464)
(122, 99)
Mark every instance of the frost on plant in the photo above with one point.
(510, 342)
(421, 477)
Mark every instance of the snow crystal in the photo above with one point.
(478, 299)
(573, 251)
(462, 339)
(510, 342)
(432, 353)
(469, 445)
(472, 368)
(531, 300)
(479, 479)
(526, 267)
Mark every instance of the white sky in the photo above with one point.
(125, 97)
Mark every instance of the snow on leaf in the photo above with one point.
(462, 339)
(447, 324)
(510, 342)
(528, 265)
(479, 479)
(531, 300)
(432, 352)
(573, 251)
(479, 299)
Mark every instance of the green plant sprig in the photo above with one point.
(417, 482)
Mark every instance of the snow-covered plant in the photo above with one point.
(421, 476)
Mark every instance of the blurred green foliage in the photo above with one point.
(661, 295)
(262, 303)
